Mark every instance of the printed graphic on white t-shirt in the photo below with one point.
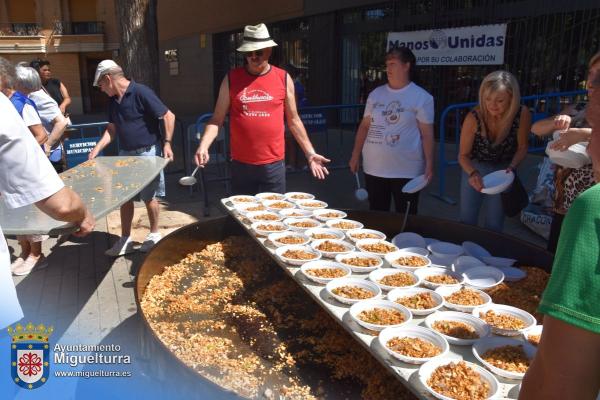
(393, 147)
(254, 97)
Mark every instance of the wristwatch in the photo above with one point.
(168, 141)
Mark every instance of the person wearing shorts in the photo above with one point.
(134, 114)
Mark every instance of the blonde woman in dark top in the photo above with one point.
(493, 137)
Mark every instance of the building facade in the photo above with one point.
(74, 35)
(337, 47)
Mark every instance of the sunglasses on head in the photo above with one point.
(258, 53)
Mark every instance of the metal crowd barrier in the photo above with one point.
(96, 130)
(542, 106)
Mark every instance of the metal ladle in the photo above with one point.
(360, 193)
(189, 180)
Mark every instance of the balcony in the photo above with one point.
(20, 29)
(65, 37)
(79, 28)
(21, 37)
(76, 37)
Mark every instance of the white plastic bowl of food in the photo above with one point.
(278, 205)
(357, 261)
(379, 274)
(405, 297)
(324, 233)
(322, 271)
(376, 247)
(361, 233)
(479, 328)
(269, 196)
(311, 204)
(445, 250)
(446, 292)
(295, 213)
(344, 224)
(429, 277)
(407, 260)
(322, 244)
(242, 198)
(490, 343)
(298, 196)
(263, 216)
(265, 228)
(278, 239)
(412, 332)
(244, 208)
(301, 224)
(284, 254)
(534, 334)
(511, 312)
(365, 288)
(367, 306)
(417, 250)
(485, 277)
(428, 368)
(325, 214)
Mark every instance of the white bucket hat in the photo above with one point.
(104, 68)
(256, 37)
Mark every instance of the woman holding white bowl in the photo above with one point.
(395, 136)
(493, 137)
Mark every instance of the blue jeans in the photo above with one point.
(471, 200)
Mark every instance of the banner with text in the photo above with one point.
(471, 45)
(77, 150)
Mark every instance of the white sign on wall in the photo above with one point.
(471, 45)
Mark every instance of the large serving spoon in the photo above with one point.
(189, 180)
(360, 193)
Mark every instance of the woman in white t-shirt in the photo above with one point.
(395, 136)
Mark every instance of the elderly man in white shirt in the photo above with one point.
(26, 177)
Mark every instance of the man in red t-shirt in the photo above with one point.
(257, 96)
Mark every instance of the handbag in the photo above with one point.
(515, 198)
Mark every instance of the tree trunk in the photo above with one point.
(138, 29)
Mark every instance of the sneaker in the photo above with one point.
(150, 241)
(123, 246)
(16, 264)
(29, 264)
